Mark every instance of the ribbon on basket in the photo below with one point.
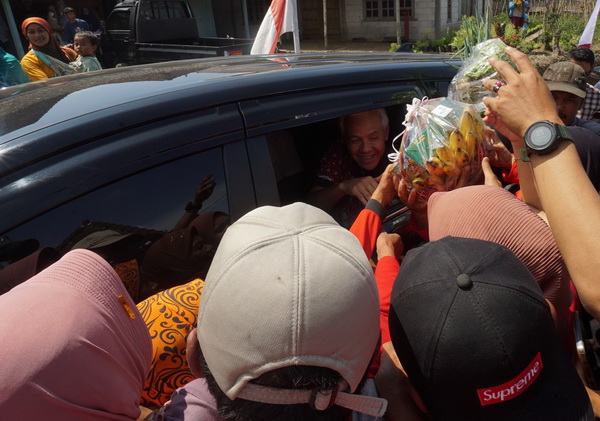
(411, 109)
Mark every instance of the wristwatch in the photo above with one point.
(543, 137)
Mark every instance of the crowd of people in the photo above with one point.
(313, 311)
(58, 45)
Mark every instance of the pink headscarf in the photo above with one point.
(494, 214)
(74, 346)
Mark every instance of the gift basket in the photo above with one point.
(441, 138)
(467, 85)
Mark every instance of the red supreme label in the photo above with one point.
(512, 388)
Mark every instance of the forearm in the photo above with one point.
(573, 209)
(529, 193)
(367, 226)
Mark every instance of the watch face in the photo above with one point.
(540, 137)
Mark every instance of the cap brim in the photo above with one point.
(565, 87)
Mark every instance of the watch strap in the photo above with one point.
(523, 155)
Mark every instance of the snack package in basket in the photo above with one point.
(441, 138)
(467, 85)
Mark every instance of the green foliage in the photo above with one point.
(571, 27)
(442, 44)
(393, 47)
(473, 30)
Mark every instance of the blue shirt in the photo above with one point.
(70, 29)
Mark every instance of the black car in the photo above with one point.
(128, 146)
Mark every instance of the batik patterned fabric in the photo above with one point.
(170, 315)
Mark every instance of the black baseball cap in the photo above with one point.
(476, 336)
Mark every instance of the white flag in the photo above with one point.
(588, 32)
(280, 18)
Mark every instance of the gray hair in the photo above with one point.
(343, 120)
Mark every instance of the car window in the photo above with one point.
(119, 20)
(153, 199)
(309, 131)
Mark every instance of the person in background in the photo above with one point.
(73, 25)
(350, 170)
(46, 58)
(11, 72)
(566, 82)
(591, 106)
(85, 44)
(518, 10)
(52, 19)
(90, 18)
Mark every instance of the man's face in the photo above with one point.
(71, 17)
(587, 67)
(365, 139)
(567, 105)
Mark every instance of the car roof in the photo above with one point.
(32, 110)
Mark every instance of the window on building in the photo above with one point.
(386, 9)
(449, 8)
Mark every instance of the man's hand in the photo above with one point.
(411, 199)
(389, 245)
(490, 178)
(496, 151)
(204, 190)
(361, 188)
(404, 403)
(524, 99)
(385, 191)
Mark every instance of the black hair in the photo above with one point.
(292, 377)
(89, 35)
(582, 54)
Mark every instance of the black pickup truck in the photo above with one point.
(150, 31)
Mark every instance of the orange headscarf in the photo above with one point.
(42, 22)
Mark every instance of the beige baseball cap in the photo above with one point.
(288, 286)
(566, 77)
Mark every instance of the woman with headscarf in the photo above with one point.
(86, 352)
(45, 59)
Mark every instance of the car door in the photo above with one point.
(139, 178)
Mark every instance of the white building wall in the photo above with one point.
(421, 26)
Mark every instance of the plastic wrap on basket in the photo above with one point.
(441, 138)
(467, 84)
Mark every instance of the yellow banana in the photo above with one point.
(443, 154)
(470, 122)
(456, 140)
(467, 120)
(435, 166)
(419, 183)
(462, 158)
(470, 144)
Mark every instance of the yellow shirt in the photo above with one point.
(36, 69)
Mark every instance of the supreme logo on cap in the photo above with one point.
(512, 388)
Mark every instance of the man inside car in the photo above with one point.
(350, 169)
